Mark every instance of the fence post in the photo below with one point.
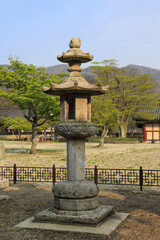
(95, 175)
(54, 175)
(141, 178)
(14, 174)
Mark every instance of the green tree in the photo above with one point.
(24, 88)
(103, 115)
(131, 96)
(18, 123)
(47, 125)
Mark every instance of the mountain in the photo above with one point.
(57, 68)
(86, 72)
(134, 70)
(4, 65)
(63, 68)
(139, 70)
(91, 78)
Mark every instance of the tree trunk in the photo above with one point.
(45, 135)
(123, 128)
(132, 134)
(133, 131)
(34, 139)
(103, 135)
(52, 133)
(19, 133)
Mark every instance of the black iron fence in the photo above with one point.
(134, 177)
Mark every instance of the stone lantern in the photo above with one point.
(75, 200)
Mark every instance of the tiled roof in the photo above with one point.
(153, 110)
(11, 112)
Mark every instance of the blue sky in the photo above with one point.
(37, 31)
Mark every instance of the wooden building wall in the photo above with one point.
(151, 131)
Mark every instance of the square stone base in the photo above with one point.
(106, 228)
(87, 218)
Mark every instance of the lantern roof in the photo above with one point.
(75, 83)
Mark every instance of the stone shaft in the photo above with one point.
(75, 160)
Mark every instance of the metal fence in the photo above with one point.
(134, 177)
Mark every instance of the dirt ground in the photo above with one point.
(130, 156)
(25, 200)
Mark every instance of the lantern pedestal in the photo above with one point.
(75, 200)
(87, 218)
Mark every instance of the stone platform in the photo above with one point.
(106, 228)
(87, 218)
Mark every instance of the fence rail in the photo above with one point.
(134, 177)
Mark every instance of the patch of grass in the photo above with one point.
(6, 139)
(134, 150)
(144, 150)
(121, 140)
(63, 159)
(26, 150)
